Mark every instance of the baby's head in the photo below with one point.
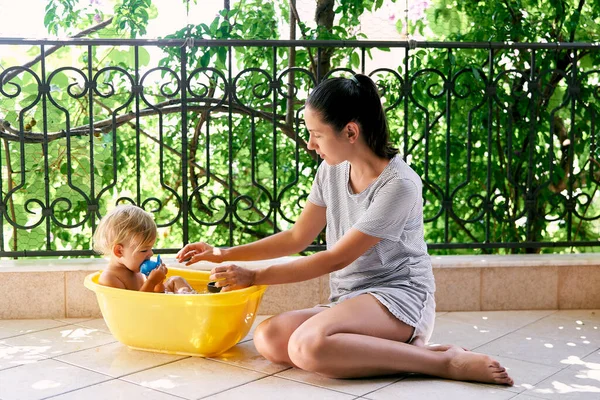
(128, 234)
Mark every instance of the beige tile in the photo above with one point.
(74, 320)
(193, 377)
(418, 387)
(43, 379)
(13, 356)
(551, 352)
(62, 340)
(115, 390)
(579, 382)
(357, 387)
(594, 357)
(14, 327)
(579, 287)
(532, 288)
(32, 295)
(295, 296)
(81, 302)
(590, 315)
(462, 334)
(510, 320)
(116, 359)
(278, 388)
(525, 374)
(97, 323)
(523, 396)
(245, 355)
(568, 329)
(257, 320)
(457, 289)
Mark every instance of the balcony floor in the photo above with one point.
(550, 354)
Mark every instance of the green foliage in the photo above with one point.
(237, 169)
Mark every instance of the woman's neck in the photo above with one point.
(364, 169)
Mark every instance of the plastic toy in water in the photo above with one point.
(149, 265)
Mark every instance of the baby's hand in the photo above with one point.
(158, 274)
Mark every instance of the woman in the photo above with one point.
(382, 306)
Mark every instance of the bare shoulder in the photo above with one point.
(111, 279)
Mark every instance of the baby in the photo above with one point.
(127, 235)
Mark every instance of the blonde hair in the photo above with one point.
(124, 225)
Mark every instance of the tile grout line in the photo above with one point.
(110, 380)
(516, 331)
(310, 384)
(234, 387)
(37, 331)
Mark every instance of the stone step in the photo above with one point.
(54, 288)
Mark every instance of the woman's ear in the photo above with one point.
(352, 131)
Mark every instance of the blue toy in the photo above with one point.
(149, 265)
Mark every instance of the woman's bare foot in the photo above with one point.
(468, 366)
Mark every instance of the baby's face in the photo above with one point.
(134, 255)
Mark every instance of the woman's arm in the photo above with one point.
(311, 222)
(351, 246)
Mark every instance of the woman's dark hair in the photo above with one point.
(341, 100)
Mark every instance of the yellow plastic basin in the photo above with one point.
(197, 324)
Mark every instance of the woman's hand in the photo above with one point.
(232, 277)
(194, 252)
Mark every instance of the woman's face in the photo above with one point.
(324, 139)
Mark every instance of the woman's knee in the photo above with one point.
(270, 341)
(306, 349)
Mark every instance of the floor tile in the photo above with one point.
(245, 355)
(13, 356)
(357, 387)
(525, 374)
(115, 390)
(14, 327)
(62, 340)
(462, 334)
(278, 388)
(560, 326)
(193, 377)
(429, 388)
(510, 320)
(73, 320)
(592, 315)
(43, 379)
(537, 350)
(116, 359)
(579, 382)
(97, 323)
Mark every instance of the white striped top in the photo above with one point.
(390, 208)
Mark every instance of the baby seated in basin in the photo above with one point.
(126, 235)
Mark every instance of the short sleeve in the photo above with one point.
(316, 192)
(389, 210)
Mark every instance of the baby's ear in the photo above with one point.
(118, 250)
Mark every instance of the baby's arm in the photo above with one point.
(156, 277)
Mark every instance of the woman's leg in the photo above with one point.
(359, 337)
(272, 335)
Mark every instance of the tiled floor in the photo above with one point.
(550, 355)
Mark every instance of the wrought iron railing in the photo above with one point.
(210, 139)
